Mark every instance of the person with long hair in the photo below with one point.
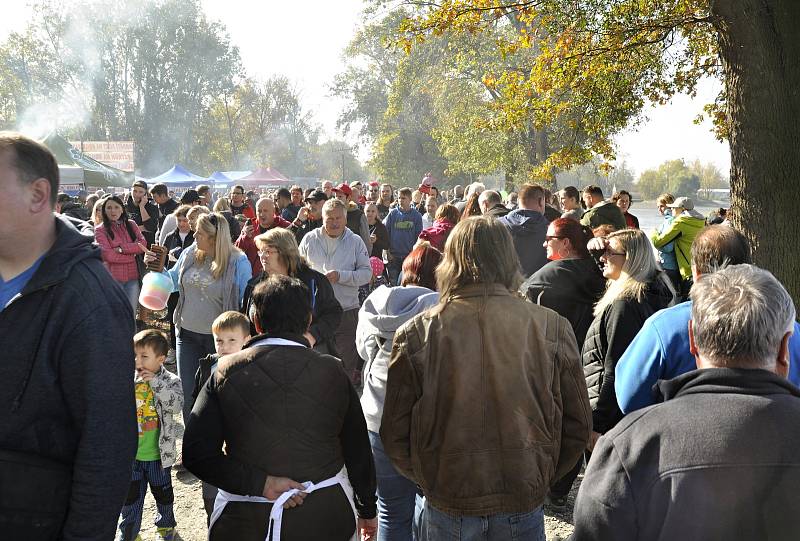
(211, 276)
(447, 217)
(280, 256)
(570, 284)
(485, 405)
(383, 312)
(223, 206)
(637, 288)
(120, 242)
(471, 207)
(378, 233)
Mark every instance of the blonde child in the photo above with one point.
(231, 331)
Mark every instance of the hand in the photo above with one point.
(248, 230)
(310, 337)
(593, 440)
(373, 238)
(142, 202)
(368, 528)
(597, 244)
(148, 255)
(275, 486)
(145, 374)
(333, 276)
(302, 214)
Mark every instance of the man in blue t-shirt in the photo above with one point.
(404, 224)
(68, 436)
(661, 348)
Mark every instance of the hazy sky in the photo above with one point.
(305, 45)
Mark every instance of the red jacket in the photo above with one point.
(122, 266)
(246, 243)
(437, 233)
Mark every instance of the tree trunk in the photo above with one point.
(759, 47)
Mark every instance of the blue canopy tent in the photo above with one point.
(224, 179)
(178, 177)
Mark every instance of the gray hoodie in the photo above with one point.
(349, 258)
(384, 311)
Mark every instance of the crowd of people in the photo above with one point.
(357, 361)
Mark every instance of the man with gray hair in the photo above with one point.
(492, 204)
(718, 459)
(342, 257)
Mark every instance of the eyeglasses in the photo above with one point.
(264, 253)
(237, 193)
(608, 253)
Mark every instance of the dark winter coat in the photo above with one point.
(528, 229)
(717, 460)
(571, 287)
(149, 226)
(286, 411)
(497, 211)
(326, 312)
(66, 387)
(608, 337)
(174, 245)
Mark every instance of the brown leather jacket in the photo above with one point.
(486, 404)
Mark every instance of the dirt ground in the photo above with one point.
(191, 517)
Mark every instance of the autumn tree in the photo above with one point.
(607, 58)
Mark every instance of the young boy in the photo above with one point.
(159, 397)
(231, 330)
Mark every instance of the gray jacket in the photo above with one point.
(384, 311)
(350, 259)
(168, 403)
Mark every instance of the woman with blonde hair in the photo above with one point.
(636, 289)
(223, 206)
(279, 254)
(211, 276)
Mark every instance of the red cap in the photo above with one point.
(344, 188)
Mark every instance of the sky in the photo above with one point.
(276, 38)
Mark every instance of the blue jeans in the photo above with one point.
(396, 496)
(190, 347)
(439, 526)
(131, 289)
(144, 473)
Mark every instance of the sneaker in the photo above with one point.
(559, 503)
(165, 534)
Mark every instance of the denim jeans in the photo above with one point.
(439, 526)
(190, 347)
(131, 289)
(396, 496)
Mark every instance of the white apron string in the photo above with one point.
(276, 514)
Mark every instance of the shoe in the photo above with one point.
(559, 503)
(165, 534)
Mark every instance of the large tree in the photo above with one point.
(607, 58)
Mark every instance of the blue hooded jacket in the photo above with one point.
(528, 229)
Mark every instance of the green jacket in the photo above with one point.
(604, 213)
(682, 230)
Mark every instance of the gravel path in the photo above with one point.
(191, 516)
